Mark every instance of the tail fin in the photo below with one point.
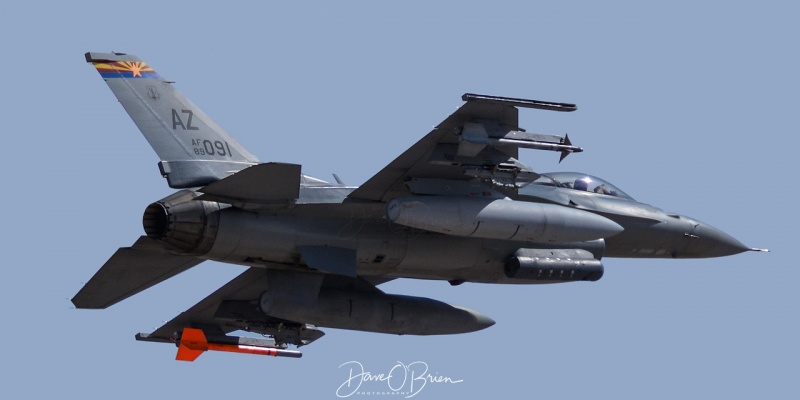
(192, 344)
(194, 151)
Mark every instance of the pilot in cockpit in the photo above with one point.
(602, 189)
(582, 183)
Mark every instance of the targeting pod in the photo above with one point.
(554, 265)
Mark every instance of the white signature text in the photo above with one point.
(404, 379)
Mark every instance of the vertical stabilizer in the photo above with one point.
(194, 150)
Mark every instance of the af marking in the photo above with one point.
(203, 147)
(177, 121)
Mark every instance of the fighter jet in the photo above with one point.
(458, 206)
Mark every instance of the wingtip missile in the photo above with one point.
(193, 343)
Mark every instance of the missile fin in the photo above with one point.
(193, 343)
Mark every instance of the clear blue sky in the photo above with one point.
(689, 105)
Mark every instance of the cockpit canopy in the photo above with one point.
(578, 181)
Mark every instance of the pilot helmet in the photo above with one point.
(582, 183)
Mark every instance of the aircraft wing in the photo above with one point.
(235, 306)
(472, 152)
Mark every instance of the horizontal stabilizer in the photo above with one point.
(260, 184)
(129, 271)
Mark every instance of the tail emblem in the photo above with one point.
(125, 69)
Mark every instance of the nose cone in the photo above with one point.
(707, 241)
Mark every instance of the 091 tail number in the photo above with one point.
(211, 148)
